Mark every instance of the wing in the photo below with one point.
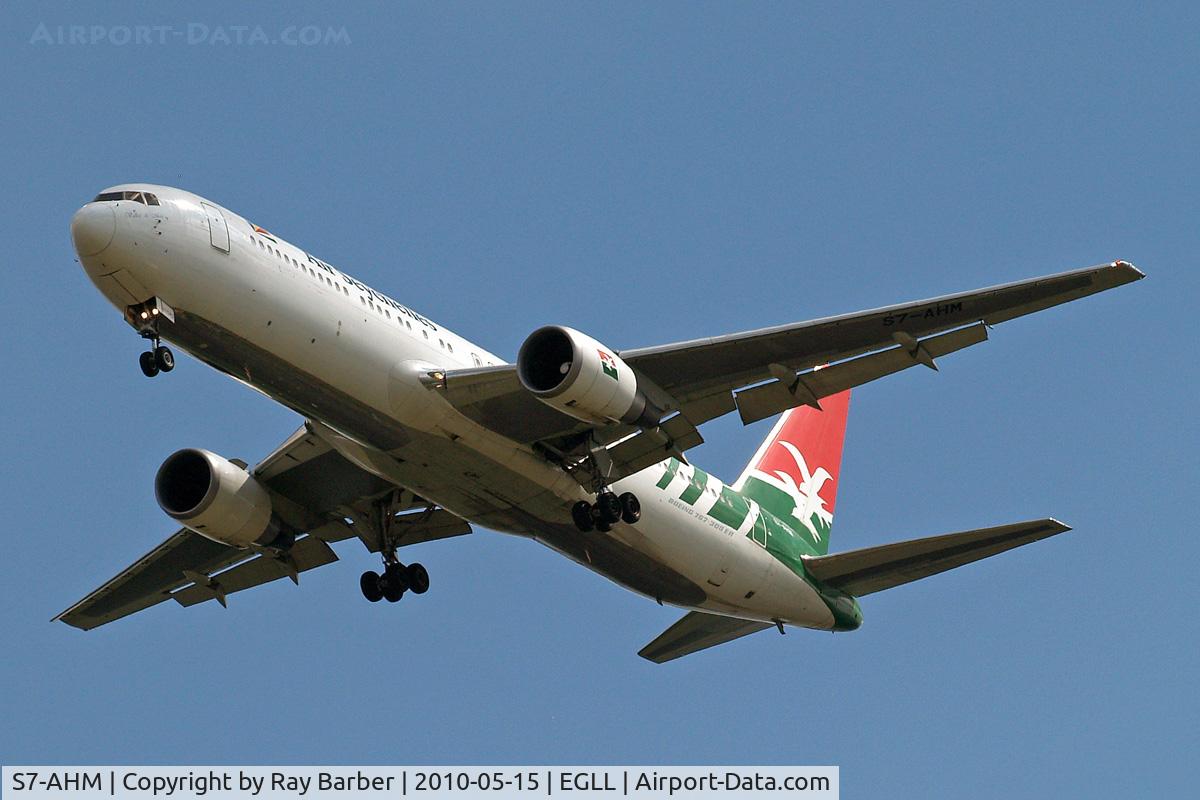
(698, 631)
(706, 378)
(149, 580)
(873, 569)
(314, 489)
(694, 372)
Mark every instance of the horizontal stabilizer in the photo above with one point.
(698, 631)
(873, 569)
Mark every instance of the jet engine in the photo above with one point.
(577, 375)
(215, 498)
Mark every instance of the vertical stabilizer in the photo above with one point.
(794, 474)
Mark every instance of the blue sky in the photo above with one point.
(646, 175)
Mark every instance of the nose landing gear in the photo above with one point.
(145, 317)
(158, 358)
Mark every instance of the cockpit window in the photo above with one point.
(145, 198)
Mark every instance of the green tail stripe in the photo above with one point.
(731, 508)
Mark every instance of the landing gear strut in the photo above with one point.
(396, 578)
(145, 318)
(608, 510)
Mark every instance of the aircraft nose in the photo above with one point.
(92, 228)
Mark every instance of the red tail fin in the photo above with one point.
(794, 474)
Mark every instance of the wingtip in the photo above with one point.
(1129, 269)
(77, 624)
(1063, 527)
(653, 656)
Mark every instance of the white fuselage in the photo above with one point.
(348, 357)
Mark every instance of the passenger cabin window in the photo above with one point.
(145, 198)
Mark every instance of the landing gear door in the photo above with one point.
(218, 231)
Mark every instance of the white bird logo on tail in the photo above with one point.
(806, 495)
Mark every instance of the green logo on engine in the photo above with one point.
(608, 364)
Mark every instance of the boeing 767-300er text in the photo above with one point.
(412, 433)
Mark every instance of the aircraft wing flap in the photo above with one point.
(427, 525)
(642, 449)
(697, 631)
(873, 569)
(150, 579)
(308, 553)
(768, 399)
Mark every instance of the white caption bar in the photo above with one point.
(423, 783)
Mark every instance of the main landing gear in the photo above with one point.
(608, 510)
(394, 582)
(396, 578)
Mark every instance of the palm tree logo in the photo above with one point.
(806, 494)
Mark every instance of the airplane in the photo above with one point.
(412, 434)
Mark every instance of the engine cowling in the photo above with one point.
(577, 375)
(215, 498)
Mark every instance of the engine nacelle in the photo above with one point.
(215, 498)
(574, 373)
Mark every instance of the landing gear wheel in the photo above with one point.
(631, 509)
(392, 585)
(581, 512)
(164, 358)
(418, 578)
(609, 507)
(369, 583)
(148, 364)
(396, 578)
(603, 526)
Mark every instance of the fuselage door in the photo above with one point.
(218, 231)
